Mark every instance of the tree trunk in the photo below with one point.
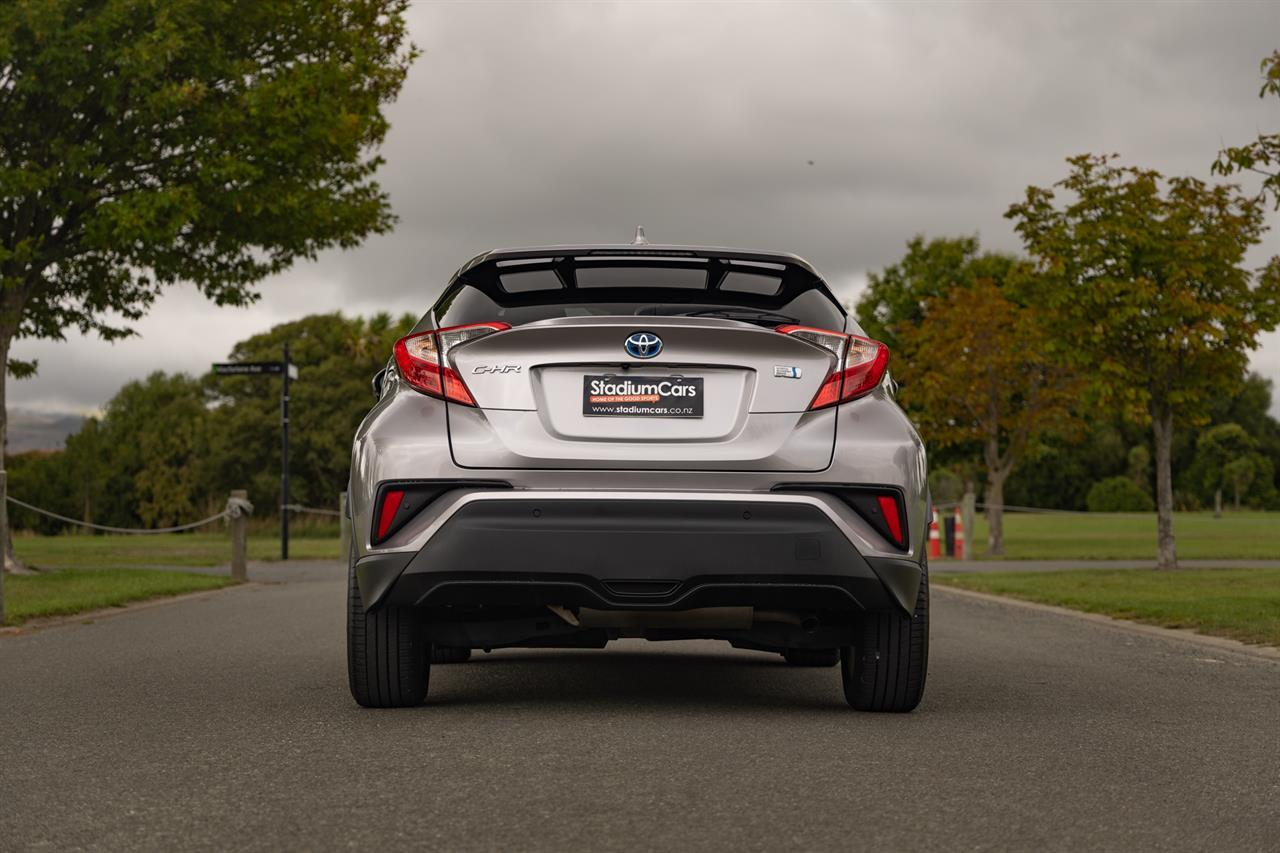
(1162, 428)
(995, 514)
(1217, 504)
(4, 439)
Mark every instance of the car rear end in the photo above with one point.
(581, 444)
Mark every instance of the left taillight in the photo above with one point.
(859, 365)
(423, 360)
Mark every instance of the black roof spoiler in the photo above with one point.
(484, 272)
(630, 250)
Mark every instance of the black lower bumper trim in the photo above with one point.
(636, 554)
(500, 589)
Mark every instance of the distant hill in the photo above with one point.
(34, 430)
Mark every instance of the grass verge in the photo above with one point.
(78, 551)
(71, 591)
(1243, 604)
(1132, 536)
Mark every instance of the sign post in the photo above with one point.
(287, 371)
(284, 455)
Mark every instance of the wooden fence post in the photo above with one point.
(344, 527)
(239, 537)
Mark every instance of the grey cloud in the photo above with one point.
(532, 123)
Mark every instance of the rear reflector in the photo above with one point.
(859, 365)
(881, 507)
(391, 499)
(423, 360)
(398, 502)
(892, 517)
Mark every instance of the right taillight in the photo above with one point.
(423, 360)
(859, 365)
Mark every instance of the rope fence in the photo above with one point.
(311, 509)
(235, 508)
(236, 512)
(941, 505)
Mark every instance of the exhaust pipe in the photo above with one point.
(722, 618)
(806, 622)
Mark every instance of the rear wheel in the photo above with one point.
(450, 654)
(812, 657)
(886, 670)
(388, 656)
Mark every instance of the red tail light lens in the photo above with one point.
(864, 365)
(859, 366)
(423, 360)
(892, 518)
(391, 500)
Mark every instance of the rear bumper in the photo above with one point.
(635, 551)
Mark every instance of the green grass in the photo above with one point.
(1237, 535)
(1120, 536)
(72, 591)
(166, 549)
(1243, 604)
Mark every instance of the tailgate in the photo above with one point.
(565, 393)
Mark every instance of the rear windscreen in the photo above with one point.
(524, 291)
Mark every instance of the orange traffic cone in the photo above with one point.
(959, 535)
(935, 538)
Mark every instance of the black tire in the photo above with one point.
(886, 670)
(812, 657)
(388, 656)
(450, 654)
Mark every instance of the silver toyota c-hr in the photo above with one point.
(582, 443)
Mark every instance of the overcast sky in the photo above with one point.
(528, 123)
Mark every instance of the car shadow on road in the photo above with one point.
(630, 679)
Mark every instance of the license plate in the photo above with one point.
(642, 396)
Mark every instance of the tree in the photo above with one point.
(1117, 494)
(1239, 472)
(336, 357)
(977, 370)
(895, 297)
(1145, 278)
(1139, 468)
(158, 429)
(168, 448)
(1262, 156)
(144, 144)
(1227, 457)
(88, 453)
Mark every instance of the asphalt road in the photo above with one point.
(223, 722)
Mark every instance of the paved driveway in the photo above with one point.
(223, 722)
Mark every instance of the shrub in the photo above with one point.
(1117, 494)
(945, 486)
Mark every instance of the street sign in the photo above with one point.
(252, 368)
(263, 368)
